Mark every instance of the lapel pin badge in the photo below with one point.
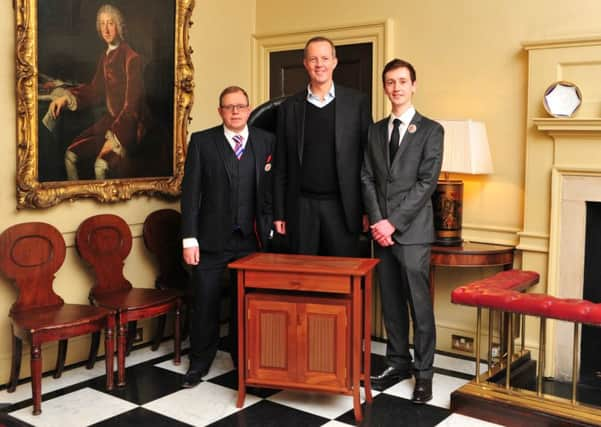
(412, 128)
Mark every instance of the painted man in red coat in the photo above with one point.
(118, 84)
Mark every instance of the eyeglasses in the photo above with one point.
(233, 107)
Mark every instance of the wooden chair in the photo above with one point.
(162, 237)
(104, 241)
(30, 254)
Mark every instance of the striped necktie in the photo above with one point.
(238, 147)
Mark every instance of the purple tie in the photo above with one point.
(238, 148)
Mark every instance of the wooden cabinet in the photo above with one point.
(292, 341)
(304, 323)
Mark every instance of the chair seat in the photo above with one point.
(136, 298)
(61, 317)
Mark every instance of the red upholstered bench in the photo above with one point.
(505, 292)
(502, 292)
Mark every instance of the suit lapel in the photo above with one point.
(259, 156)
(382, 133)
(341, 114)
(222, 146)
(300, 108)
(408, 136)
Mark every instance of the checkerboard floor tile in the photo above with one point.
(153, 397)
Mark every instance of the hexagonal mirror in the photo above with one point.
(562, 99)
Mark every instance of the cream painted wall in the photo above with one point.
(470, 64)
(220, 38)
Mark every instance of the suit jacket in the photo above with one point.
(353, 117)
(206, 203)
(401, 192)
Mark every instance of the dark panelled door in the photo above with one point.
(288, 75)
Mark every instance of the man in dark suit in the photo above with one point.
(226, 214)
(400, 172)
(321, 134)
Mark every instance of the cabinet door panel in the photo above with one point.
(324, 338)
(271, 340)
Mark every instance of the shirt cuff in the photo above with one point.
(190, 242)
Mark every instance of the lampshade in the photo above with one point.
(465, 151)
(465, 147)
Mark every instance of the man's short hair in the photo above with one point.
(109, 9)
(317, 39)
(398, 63)
(232, 89)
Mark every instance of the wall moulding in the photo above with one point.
(592, 40)
(491, 234)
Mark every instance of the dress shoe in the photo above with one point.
(388, 377)
(422, 392)
(193, 377)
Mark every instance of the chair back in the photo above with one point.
(30, 254)
(104, 241)
(162, 238)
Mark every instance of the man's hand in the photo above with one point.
(192, 255)
(57, 105)
(280, 227)
(106, 148)
(382, 232)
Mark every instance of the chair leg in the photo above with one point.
(36, 378)
(158, 336)
(185, 321)
(131, 335)
(121, 347)
(109, 346)
(60, 358)
(15, 367)
(93, 350)
(177, 336)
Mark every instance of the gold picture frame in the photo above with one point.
(162, 28)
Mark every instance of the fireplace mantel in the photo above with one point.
(568, 126)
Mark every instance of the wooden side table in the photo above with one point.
(470, 255)
(304, 323)
(475, 255)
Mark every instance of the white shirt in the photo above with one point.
(317, 101)
(192, 242)
(405, 119)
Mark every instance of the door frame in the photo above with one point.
(378, 33)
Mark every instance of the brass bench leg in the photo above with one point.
(542, 342)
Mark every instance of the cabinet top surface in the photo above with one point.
(305, 264)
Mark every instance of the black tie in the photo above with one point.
(395, 137)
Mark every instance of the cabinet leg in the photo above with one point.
(241, 396)
(357, 406)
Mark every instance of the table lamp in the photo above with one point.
(466, 151)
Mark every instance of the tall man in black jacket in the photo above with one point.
(321, 134)
(226, 214)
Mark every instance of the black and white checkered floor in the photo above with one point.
(154, 397)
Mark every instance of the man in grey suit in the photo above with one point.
(400, 171)
(321, 135)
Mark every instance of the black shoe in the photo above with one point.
(389, 377)
(193, 377)
(422, 392)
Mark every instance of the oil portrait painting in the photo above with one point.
(104, 90)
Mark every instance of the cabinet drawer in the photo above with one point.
(298, 281)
